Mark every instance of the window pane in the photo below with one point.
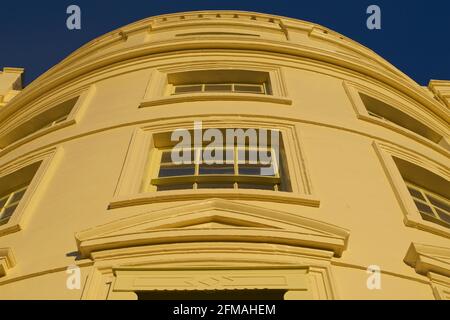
(175, 171)
(444, 216)
(3, 202)
(8, 212)
(416, 193)
(256, 186)
(166, 157)
(423, 208)
(175, 187)
(249, 156)
(248, 163)
(438, 203)
(3, 220)
(18, 195)
(187, 89)
(218, 87)
(215, 186)
(206, 169)
(251, 88)
(256, 170)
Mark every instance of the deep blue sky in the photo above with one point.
(415, 35)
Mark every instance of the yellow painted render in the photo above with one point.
(88, 208)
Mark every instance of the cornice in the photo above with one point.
(364, 61)
(426, 259)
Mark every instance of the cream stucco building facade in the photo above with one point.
(84, 180)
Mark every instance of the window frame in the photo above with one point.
(8, 203)
(412, 218)
(172, 88)
(47, 159)
(427, 202)
(354, 90)
(26, 114)
(197, 177)
(158, 91)
(137, 171)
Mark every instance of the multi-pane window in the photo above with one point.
(241, 168)
(383, 111)
(219, 81)
(220, 87)
(44, 120)
(9, 202)
(431, 206)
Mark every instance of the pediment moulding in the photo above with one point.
(214, 220)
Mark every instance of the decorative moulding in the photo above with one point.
(92, 57)
(156, 92)
(49, 159)
(441, 88)
(295, 280)
(215, 220)
(412, 218)
(132, 188)
(21, 118)
(353, 91)
(301, 281)
(215, 97)
(202, 194)
(426, 259)
(440, 285)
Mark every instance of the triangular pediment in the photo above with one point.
(210, 221)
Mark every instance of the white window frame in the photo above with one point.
(262, 86)
(159, 90)
(412, 217)
(9, 203)
(23, 116)
(353, 91)
(139, 168)
(234, 179)
(426, 201)
(48, 159)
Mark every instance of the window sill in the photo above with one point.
(215, 97)
(186, 195)
(10, 227)
(414, 220)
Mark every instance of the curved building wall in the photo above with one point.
(84, 139)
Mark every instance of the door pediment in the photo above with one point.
(214, 220)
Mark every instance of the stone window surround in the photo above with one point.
(353, 89)
(25, 114)
(48, 158)
(412, 217)
(156, 92)
(135, 173)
